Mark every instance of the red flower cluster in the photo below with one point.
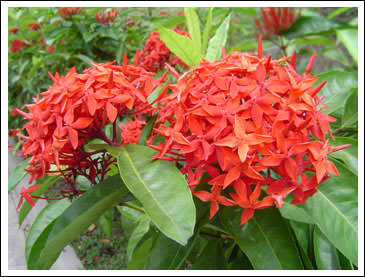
(246, 122)
(51, 48)
(17, 45)
(13, 30)
(104, 17)
(76, 108)
(131, 131)
(155, 53)
(34, 26)
(275, 20)
(67, 12)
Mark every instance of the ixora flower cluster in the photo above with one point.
(155, 53)
(75, 109)
(243, 124)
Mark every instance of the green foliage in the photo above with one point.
(17, 175)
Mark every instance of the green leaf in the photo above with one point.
(214, 51)
(265, 238)
(240, 262)
(105, 223)
(212, 257)
(83, 58)
(315, 25)
(74, 220)
(192, 21)
(43, 219)
(248, 11)
(345, 263)
(181, 46)
(336, 90)
(338, 12)
(119, 56)
(44, 183)
(349, 38)
(146, 132)
(334, 210)
(207, 27)
(168, 254)
(350, 115)
(141, 255)
(294, 212)
(17, 175)
(314, 40)
(325, 252)
(161, 189)
(142, 228)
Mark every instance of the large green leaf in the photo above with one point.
(105, 222)
(43, 219)
(334, 210)
(206, 32)
(350, 115)
(338, 12)
(168, 254)
(296, 213)
(44, 183)
(307, 25)
(17, 175)
(192, 21)
(147, 130)
(141, 229)
(325, 253)
(337, 88)
(349, 156)
(265, 238)
(181, 46)
(214, 51)
(161, 189)
(74, 220)
(141, 255)
(349, 38)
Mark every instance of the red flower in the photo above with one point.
(164, 13)
(112, 15)
(180, 13)
(17, 45)
(102, 17)
(241, 120)
(51, 49)
(13, 132)
(34, 26)
(131, 131)
(67, 13)
(25, 194)
(275, 20)
(62, 42)
(13, 30)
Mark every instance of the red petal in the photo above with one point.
(332, 168)
(82, 122)
(203, 195)
(121, 98)
(230, 141)
(221, 83)
(259, 47)
(268, 201)
(246, 215)
(91, 104)
(72, 133)
(242, 151)
(260, 73)
(214, 207)
(233, 174)
(255, 194)
(111, 111)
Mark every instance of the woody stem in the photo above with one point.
(283, 46)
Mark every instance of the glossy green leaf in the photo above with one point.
(212, 257)
(74, 220)
(325, 252)
(192, 21)
(141, 255)
(338, 12)
(214, 51)
(129, 220)
(167, 254)
(334, 209)
(350, 115)
(337, 88)
(17, 175)
(307, 25)
(44, 183)
(105, 222)
(293, 212)
(207, 27)
(142, 228)
(43, 219)
(349, 38)
(181, 46)
(265, 238)
(240, 262)
(161, 189)
(146, 132)
(345, 263)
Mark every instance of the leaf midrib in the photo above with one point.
(139, 177)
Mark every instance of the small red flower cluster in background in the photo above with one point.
(155, 53)
(131, 131)
(17, 45)
(13, 30)
(275, 20)
(164, 13)
(67, 12)
(75, 109)
(246, 121)
(104, 17)
(51, 49)
(34, 26)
